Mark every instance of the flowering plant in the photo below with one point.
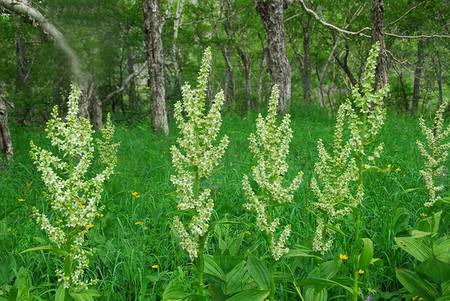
(73, 196)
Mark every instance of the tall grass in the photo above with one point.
(136, 253)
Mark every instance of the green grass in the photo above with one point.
(126, 250)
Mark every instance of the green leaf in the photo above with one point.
(250, 294)
(301, 251)
(417, 247)
(316, 294)
(322, 283)
(174, 291)
(213, 269)
(434, 270)
(235, 278)
(441, 249)
(60, 293)
(327, 269)
(415, 285)
(366, 254)
(84, 295)
(259, 272)
(49, 248)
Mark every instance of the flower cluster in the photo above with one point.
(195, 156)
(434, 153)
(270, 147)
(338, 181)
(336, 172)
(74, 197)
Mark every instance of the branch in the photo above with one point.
(124, 83)
(22, 8)
(361, 31)
(334, 27)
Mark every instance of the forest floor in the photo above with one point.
(136, 252)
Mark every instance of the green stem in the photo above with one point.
(356, 286)
(201, 266)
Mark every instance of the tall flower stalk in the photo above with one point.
(270, 147)
(73, 196)
(194, 157)
(434, 153)
(338, 182)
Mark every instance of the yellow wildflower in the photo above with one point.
(343, 257)
(135, 194)
(82, 206)
(21, 200)
(155, 266)
(138, 222)
(360, 271)
(89, 226)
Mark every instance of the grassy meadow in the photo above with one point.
(136, 252)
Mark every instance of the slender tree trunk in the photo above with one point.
(247, 69)
(95, 104)
(403, 89)
(153, 25)
(132, 91)
(230, 83)
(306, 60)
(439, 80)
(6, 146)
(175, 52)
(418, 76)
(271, 12)
(378, 36)
(262, 71)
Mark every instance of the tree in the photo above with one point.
(381, 76)
(271, 13)
(153, 25)
(5, 137)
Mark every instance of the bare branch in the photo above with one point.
(124, 83)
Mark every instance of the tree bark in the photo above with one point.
(247, 69)
(271, 12)
(6, 146)
(153, 25)
(262, 71)
(230, 83)
(306, 60)
(418, 76)
(439, 79)
(132, 87)
(175, 52)
(378, 36)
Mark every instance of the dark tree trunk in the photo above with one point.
(95, 104)
(403, 89)
(153, 24)
(175, 52)
(271, 12)
(418, 76)
(306, 60)
(6, 146)
(439, 80)
(343, 63)
(247, 69)
(132, 91)
(378, 36)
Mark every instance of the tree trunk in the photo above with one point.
(94, 104)
(262, 71)
(5, 137)
(439, 80)
(230, 83)
(132, 91)
(175, 54)
(418, 76)
(153, 24)
(306, 61)
(378, 36)
(247, 69)
(271, 12)
(403, 89)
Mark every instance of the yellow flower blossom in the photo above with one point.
(138, 222)
(155, 266)
(89, 226)
(360, 271)
(135, 194)
(21, 200)
(343, 257)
